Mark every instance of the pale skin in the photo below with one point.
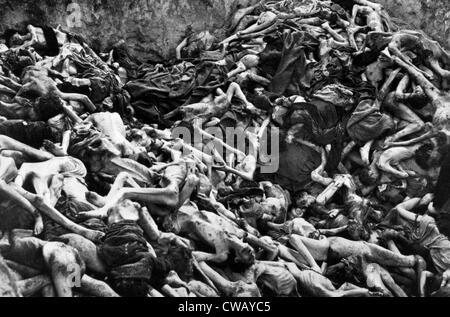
(390, 160)
(406, 216)
(211, 106)
(35, 37)
(38, 80)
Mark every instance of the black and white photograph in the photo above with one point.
(225, 155)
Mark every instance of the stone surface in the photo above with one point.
(153, 28)
(431, 16)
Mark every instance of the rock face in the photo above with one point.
(431, 16)
(153, 28)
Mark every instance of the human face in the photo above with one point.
(16, 40)
(125, 210)
(359, 41)
(246, 255)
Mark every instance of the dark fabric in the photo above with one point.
(320, 122)
(317, 124)
(30, 133)
(368, 123)
(122, 55)
(292, 58)
(365, 58)
(131, 268)
(442, 189)
(14, 217)
(160, 89)
(337, 95)
(70, 208)
(209, 77)
(52, 48)
(123, 244)
(197, 44)
(102, 82)
(16, 61)
(270, 58)
(346, 4)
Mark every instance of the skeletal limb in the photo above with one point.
(83, 99)
(368, 11)
(247, 173)
(298, 245)
(65, 266)
(265, 20)
(321, 286)
(7, 90)
(222, 242)
(17, 111)
(247, 62)
(181, 146)
(430, 90)
(13, 145)
(240, 14)
(317, 175)
(403, 112)
(150, 228)
(326, 26)
(259, 34)
(349, 148)
(180, 47)
(351, 30)
(72, 115)
(402, 96)
(440, 100)
(235, 91)
(437, 68)
(380, 279)
(168, 196)
(33, 285)
(230, 149)
(233, 289)
(372, 253)
(395, 49)
(376, 6)
(324, 197)
(10, 83)
(87, 251)
(96, 288)
(57, 217)
(7, 192)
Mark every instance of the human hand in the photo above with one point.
(445, 279)
(181, 242)
(38, 226)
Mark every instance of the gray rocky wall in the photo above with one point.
(153, 28)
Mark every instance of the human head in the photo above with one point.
(124, 210)
(244, 255)
(305, 200)
(12, 38)
(49, 106)
(357, 231)
(181, 261)
(368, 177)
(431, 153)
(360, 39)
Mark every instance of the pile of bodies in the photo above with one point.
(99, 198)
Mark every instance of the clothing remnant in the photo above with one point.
(306, 154)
